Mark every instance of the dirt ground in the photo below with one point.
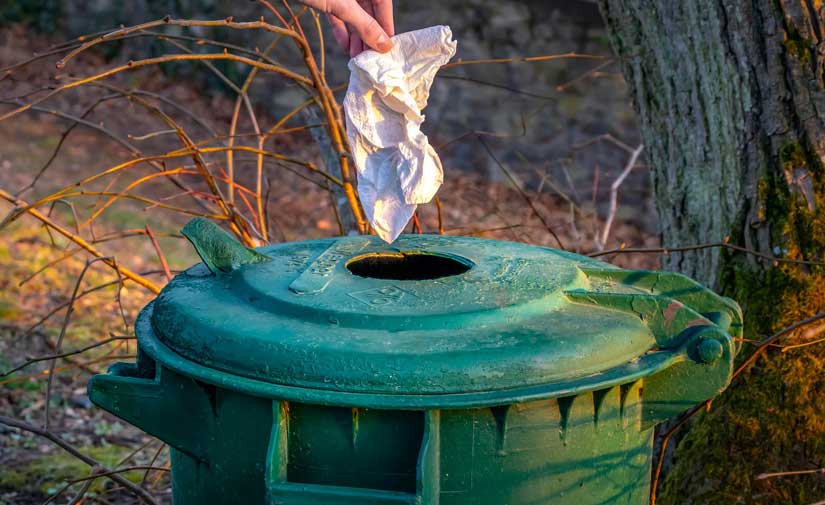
(33, 468)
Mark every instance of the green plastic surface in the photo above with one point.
(519, 316)
(436, 371)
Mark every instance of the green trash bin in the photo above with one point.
(436, 370)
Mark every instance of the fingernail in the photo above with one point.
(384, 44)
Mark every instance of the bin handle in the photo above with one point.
(139, 394)
(704, 349)
(220, 252)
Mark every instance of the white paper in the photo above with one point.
(397, 168)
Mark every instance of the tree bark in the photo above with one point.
(731, 99)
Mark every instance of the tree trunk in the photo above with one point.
(731, 99)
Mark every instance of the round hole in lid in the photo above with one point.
(407, 265)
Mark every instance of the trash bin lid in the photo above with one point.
(426, 315)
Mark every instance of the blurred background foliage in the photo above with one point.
(545, 108)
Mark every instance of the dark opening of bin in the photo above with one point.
(407, 266)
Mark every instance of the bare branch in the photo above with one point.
(129, 485)
(771, 475)
(167, 21)
(614, 196)
(725, 245)
(523, 194)
(139, 279)
(529, 59)
(32, 361)
(66, 320)
(161, 257)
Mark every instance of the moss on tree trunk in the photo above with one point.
(731, 98)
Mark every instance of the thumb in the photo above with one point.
(362, 23)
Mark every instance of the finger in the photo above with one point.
(356, 45)
(339, 31)
(365, 25)
(382, 11)
(367, 6)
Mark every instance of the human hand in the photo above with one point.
(358, 24)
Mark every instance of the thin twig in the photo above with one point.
(159, 475)
(529, 59)
(321, 48)
(126, 483)
(604, 138)
(437, 201)
(83, 366)
(593, 71)
(614, 196)
(100, 208)
(118, 299)
(65, 487)
(63, 257)
(63, 305)
(155, 61)
(105, 238)
(243, 97)
(63, 329)
(151, 202)
(59, 145)
(770, 475)
(786, 348)
(335, 123)
(119, 470)
(75, 119)
(167, 21)
(762, 347)
(151, 463)
(77, 499)
(504, 87)
(32, 361)
(134, 453)
(139, 279)
(150, 135)
(133, 150)
(724, 245)
(274, 11)
(159, 252)
(22, 208)
(523, 194)
(416, 223)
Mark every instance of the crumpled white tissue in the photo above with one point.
(397, 168)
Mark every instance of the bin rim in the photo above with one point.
(647, 365)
